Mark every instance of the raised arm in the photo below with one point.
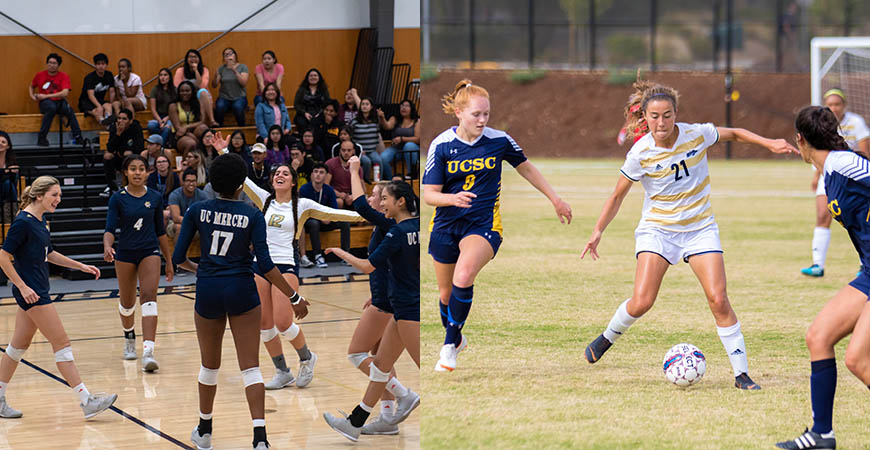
(608, 212)
(534, 176)
(748, 137)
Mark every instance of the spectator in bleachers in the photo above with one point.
(163, 179)
(313, 150)
(346, 134)
(325, 195)
(348, 110)
(258, 171)
(186, 118)
(9, 186)
(206, 146)
(339, 174)
(327, 126)
(239, 145)
(153, 149)
(181, 198)
(311, 97)
(277, 150)
(125, 138)
(406, 138)
(97, 91)
(196, 72)
(195, 160)
(366, 133)
(50, 88)
(232, 76)
(268, 72)
(162, 94)
(301, 162)
(271, 112)
(129, 88)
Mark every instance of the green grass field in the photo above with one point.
(523, 382)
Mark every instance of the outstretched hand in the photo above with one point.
(219, 142)
(781, 146)
(93, 270)
(592, 246)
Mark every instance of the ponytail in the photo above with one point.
(461, 95)
(820, 127)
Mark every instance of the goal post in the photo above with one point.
(841, 62)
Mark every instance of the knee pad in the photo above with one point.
(149, 309)
(252, 376)
(268, 335)
(126, 312)
(291, 332)
(357, 358)
(64, 355)
(376, 375)
(14, 353)
(208, 376)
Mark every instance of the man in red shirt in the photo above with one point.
(339, 174)
(50, 88)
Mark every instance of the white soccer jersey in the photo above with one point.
(676, 180)
(281, 226)
(853, 129)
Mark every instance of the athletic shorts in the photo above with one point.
(218, 297)
(444, 246)
(676, 245)
(862, 283)
(135, 256)
(820, 189)
(283, 268)
(383, 304)
(406, 309)
(379, 282)
(43, 299)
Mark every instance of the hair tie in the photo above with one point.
(835, 91)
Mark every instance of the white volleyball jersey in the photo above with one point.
(676, 180)
(853, 129)
(282, 227)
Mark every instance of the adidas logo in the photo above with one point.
(658, 167)
(737, 352)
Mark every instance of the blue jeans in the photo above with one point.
(368, 159)
(409, 151)
(50, 108)
(222, 105)
(165, 132)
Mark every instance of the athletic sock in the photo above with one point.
(823, 385)
(280, 363)
(620, 322)
(82, 392)
(204, 423)
(147, 346)
(304, 353)
(395, 387)
(3, 389)
(388, 408)
(359, 415)
(130, 334)
(443, 309)
(732, 340)
(260, 432)
(821, 240)
(457, 312)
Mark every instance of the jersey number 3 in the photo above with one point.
(215, 237)
(469, 182)
(676, 168)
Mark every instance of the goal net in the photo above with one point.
(842, 62)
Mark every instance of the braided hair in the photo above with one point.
(819, 126)
(294, 195)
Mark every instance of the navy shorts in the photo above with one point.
(862, 283)
(43, 299)
(406, 309)
(283, 268)
(444, 246)
(218, 297)
(135, 256)
(382, 304)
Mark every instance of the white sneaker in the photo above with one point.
(306, 371)
(305, 262)
(280, 380)
(98, 403)
(6, 411)
(202, 442)
(321, 263)
(447, 360)
(129, 349)
(149, 364)
(404, 406)
(343, 426)
(380, 426)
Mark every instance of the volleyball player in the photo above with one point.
(855, 133)
(463, 181)
(847, 188)
(677, 221)
(225, 289)
(400, 251)
(29, 243)
(139, 211)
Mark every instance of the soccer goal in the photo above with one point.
(842, 62)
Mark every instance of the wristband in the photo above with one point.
(296, 299)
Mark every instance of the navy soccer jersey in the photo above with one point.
(140, 218)
(29, 243)
(475, 167)
(847, 184)
(227, 229)
(400, 251)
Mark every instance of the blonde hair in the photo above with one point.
(644, 92)
(39, 187)
(461, 95)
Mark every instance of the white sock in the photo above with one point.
(388, 408)
(396, 388)
(3, 389)
(365, 407)
(821, 240)
(82, 392)
(204, 416)
(148, 346)
(732, 339)
(619, 323)
(259, 423)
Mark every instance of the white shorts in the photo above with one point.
(676, 245)
(820, 189)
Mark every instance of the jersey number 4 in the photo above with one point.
(676, 168)
(138, 224)
(216, 235)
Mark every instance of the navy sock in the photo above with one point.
(260, 435)
(823, 384)
(130, 334)
(457, 312)
(358, 416)
(204, 426)
(443, 308)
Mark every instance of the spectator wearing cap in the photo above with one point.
(125, 138)
(258, 170)
(153, 149)
(50, 89)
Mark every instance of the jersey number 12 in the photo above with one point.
(215, 237)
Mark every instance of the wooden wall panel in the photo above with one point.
(331, 51)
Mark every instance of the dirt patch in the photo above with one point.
(578, 114)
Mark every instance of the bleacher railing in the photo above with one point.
(362, 61)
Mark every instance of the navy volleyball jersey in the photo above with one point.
(400, 251)
(141, 219)
(227, 228)
(458, 166)
(847, 184)
(29, 243)
(379, 279)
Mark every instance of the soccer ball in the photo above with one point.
(684, 365)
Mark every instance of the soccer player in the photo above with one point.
(225, 289)
(400, 251)
(847, 188)
(29, 243)
(855, 133)
(463, 181)
(139, 211)
(677, 221)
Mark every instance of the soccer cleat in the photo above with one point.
(743, 381)
(596, 349)
(463, 343)
(202, 442)
(810, 440)
(306, 371)
(280, 380)
(321, 263)
(813, 271)
(149, 364)
(305, 262)
(6, 411)
(343, 426)
(380, 426)
(447, 359)
(129, 347)
(98, 403)
(404, 406)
